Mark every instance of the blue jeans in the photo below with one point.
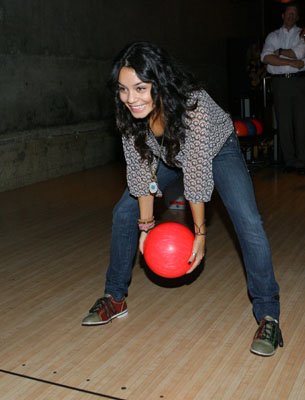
(234, 186)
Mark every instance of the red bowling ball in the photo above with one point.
(168, 248)
(258, 125)
(240, 127)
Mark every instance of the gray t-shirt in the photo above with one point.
(208, 129)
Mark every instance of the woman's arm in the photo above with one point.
(146, 205)
(198, 213)
(138, 172)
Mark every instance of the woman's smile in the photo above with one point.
(135, 94)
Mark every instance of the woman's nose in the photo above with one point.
(130, 97)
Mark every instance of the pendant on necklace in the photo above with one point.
(153, 187)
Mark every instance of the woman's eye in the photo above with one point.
(121, 89)
(141, 88)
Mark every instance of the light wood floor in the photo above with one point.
(185, 341)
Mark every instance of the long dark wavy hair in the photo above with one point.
(171, 88)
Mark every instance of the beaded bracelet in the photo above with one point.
(146, 221)
(146, 227)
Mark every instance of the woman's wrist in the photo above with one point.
(147, 224)
(146, 220)
(200, 230)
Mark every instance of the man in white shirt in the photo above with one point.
(284, 54)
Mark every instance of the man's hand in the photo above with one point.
(299, 64)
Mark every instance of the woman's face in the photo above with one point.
(134, 93)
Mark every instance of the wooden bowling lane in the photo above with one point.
(189, 340)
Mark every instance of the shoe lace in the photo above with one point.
(105, 304)
(269, 330)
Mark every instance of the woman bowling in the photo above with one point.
(171, 126)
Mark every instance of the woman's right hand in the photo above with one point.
(143, 236)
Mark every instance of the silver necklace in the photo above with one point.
(153, 186)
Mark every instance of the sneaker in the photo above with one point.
(267, 338)
(105, 310)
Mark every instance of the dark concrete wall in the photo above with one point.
(55, 54)
(55, 57)
(40, 154)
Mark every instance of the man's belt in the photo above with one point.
(289, 75)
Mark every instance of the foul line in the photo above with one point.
(105, 396)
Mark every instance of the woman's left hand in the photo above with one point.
(197, 253)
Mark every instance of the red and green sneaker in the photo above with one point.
(267, 337)
(105, 310)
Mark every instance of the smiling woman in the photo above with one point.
(134, 93)
(155, 96)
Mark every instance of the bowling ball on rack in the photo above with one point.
(250, 126)
(258, 125)
(240, 127)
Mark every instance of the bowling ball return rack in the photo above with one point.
(258, 150)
